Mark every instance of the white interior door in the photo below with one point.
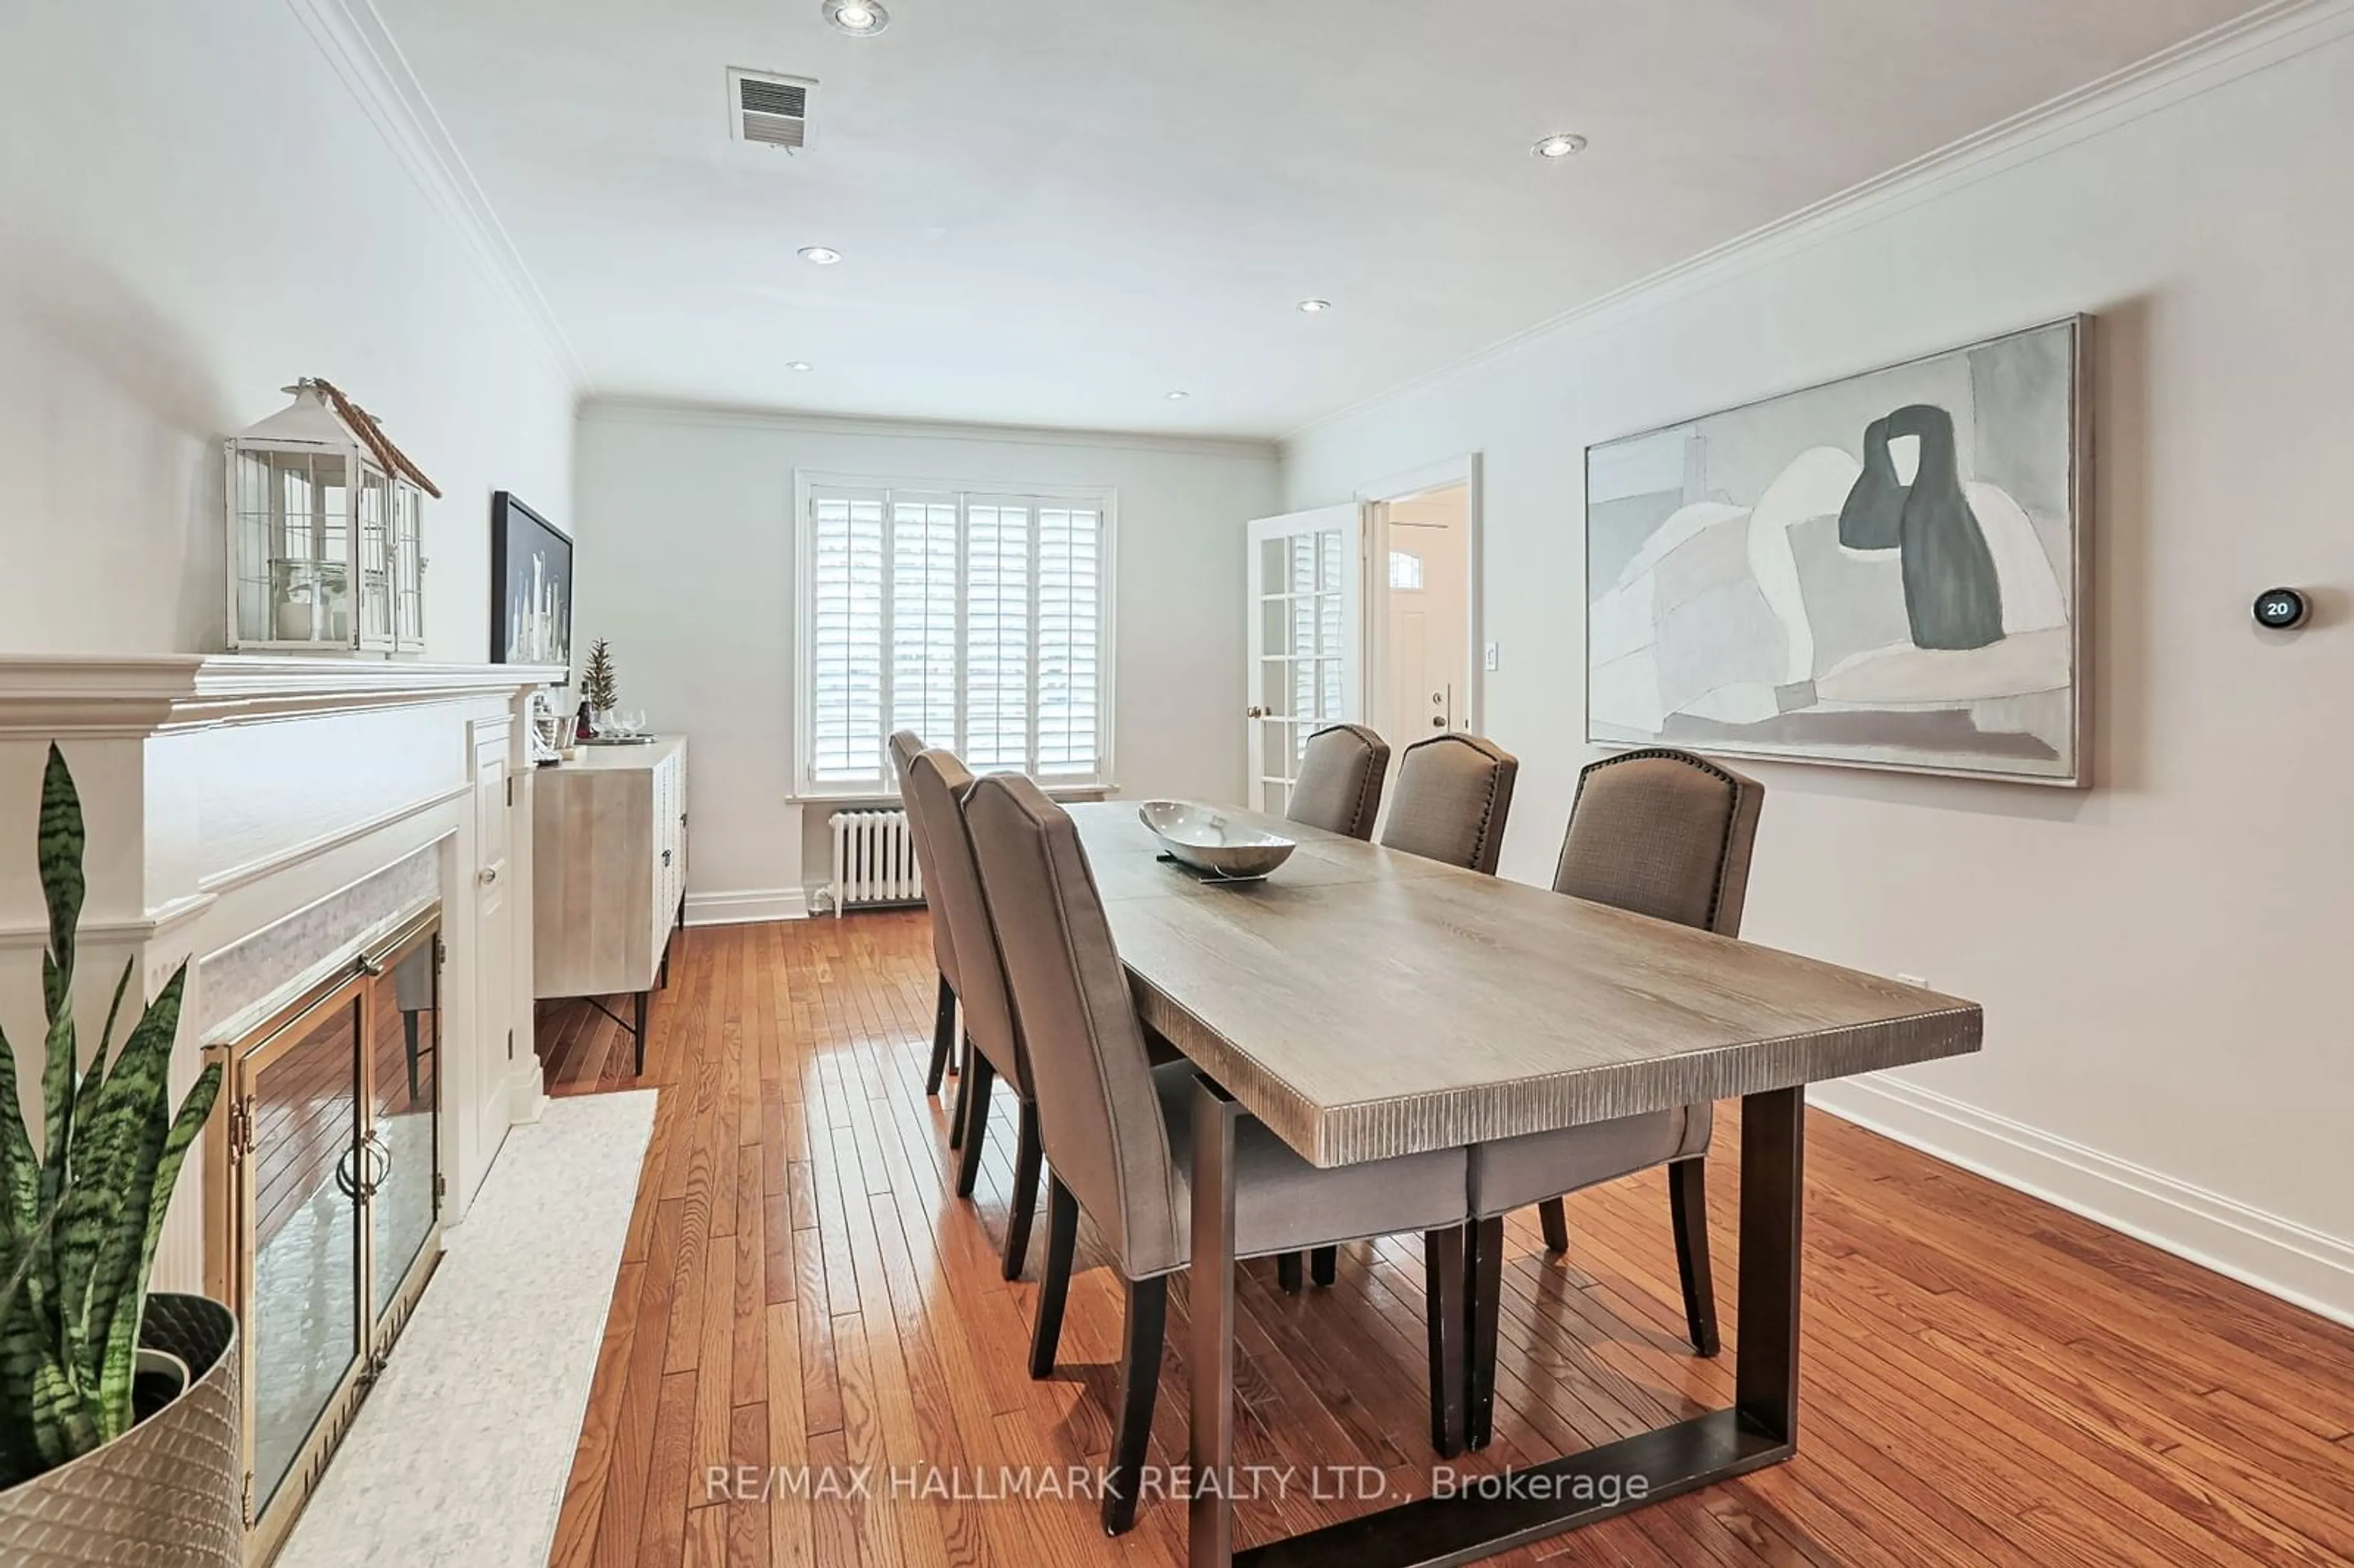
(1423, 639)
(1307, 651)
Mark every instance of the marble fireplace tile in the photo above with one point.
(241, 984)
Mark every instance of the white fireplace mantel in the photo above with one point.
(243, 802)
(96, 694)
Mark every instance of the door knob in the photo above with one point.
(1254, 711)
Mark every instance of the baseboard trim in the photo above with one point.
(745, 906)
(2277, 1256)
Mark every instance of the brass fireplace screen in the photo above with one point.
(326, 1205)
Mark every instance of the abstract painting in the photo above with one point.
(531, 587)
(1882, 572)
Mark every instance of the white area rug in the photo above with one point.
(460, 1454)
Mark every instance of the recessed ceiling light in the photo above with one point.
(859, 18)
(1313, 306)
(1559, 145)
(797, 364)
(819, 255)
(1178, 396)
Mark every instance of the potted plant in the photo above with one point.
(118, 1412)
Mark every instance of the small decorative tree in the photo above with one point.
(599, 687)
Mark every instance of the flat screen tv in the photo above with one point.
(531, 587)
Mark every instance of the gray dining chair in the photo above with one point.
(937, 783)
(1339, 783)
(1118, 1134)
(1454, 792)
(1667, 834)
(904, 746)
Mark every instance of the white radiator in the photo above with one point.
(874, 861)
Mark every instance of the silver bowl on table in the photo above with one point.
(1214, 842)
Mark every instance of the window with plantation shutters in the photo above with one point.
(976, 619)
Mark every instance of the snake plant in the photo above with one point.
(80, 1211)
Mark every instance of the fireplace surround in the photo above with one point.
(341, 852)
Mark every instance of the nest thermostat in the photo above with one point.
(2282, 610)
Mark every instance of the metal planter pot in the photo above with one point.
(166, 1494)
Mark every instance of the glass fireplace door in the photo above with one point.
(400, 1147)
(301, 1198)
(331, 1214)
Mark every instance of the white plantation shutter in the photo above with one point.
(977, 620)
(846, 621)
(922, 616)
(998, 671)
(1070, 621)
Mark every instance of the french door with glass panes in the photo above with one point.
(1307, 661)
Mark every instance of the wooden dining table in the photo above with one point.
(1366, 1003)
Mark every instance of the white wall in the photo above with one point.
(687, 565)
(195, 208)
(2162, 959)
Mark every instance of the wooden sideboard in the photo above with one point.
(608, 879)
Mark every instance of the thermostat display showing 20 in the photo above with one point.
(2282, 610)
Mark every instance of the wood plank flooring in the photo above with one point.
(1988, 1380)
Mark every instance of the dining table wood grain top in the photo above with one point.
(1364, 1003)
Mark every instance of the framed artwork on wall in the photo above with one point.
(531, 587)
(1885, 571)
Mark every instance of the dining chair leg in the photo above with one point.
(1140, 1384)
(1688, 1207)
(1483, 1283)
(1555, 1220)
(1324, 1266)
(1054, 1277)
(1027, 1157)
(944, 1031)
(977, 1077)
(960, 1109)
(1442, 1311)
(1286, 1272)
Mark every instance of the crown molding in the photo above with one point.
(2263, 37)
(364, 54)
(659, 410)
(54, 698)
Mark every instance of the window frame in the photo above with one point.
(809, 482)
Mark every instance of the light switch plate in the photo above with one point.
(1495, 659)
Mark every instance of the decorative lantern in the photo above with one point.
(325, 530)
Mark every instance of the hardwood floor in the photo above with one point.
(1988, 1380)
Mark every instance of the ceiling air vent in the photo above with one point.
(772, 110)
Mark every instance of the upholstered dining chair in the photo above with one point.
(1453, 794)
(1667, 834)
(937, 783)
(904, 745)
(1117, 1132)
(1339, 784)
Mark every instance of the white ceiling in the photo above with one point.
(1053, 212)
